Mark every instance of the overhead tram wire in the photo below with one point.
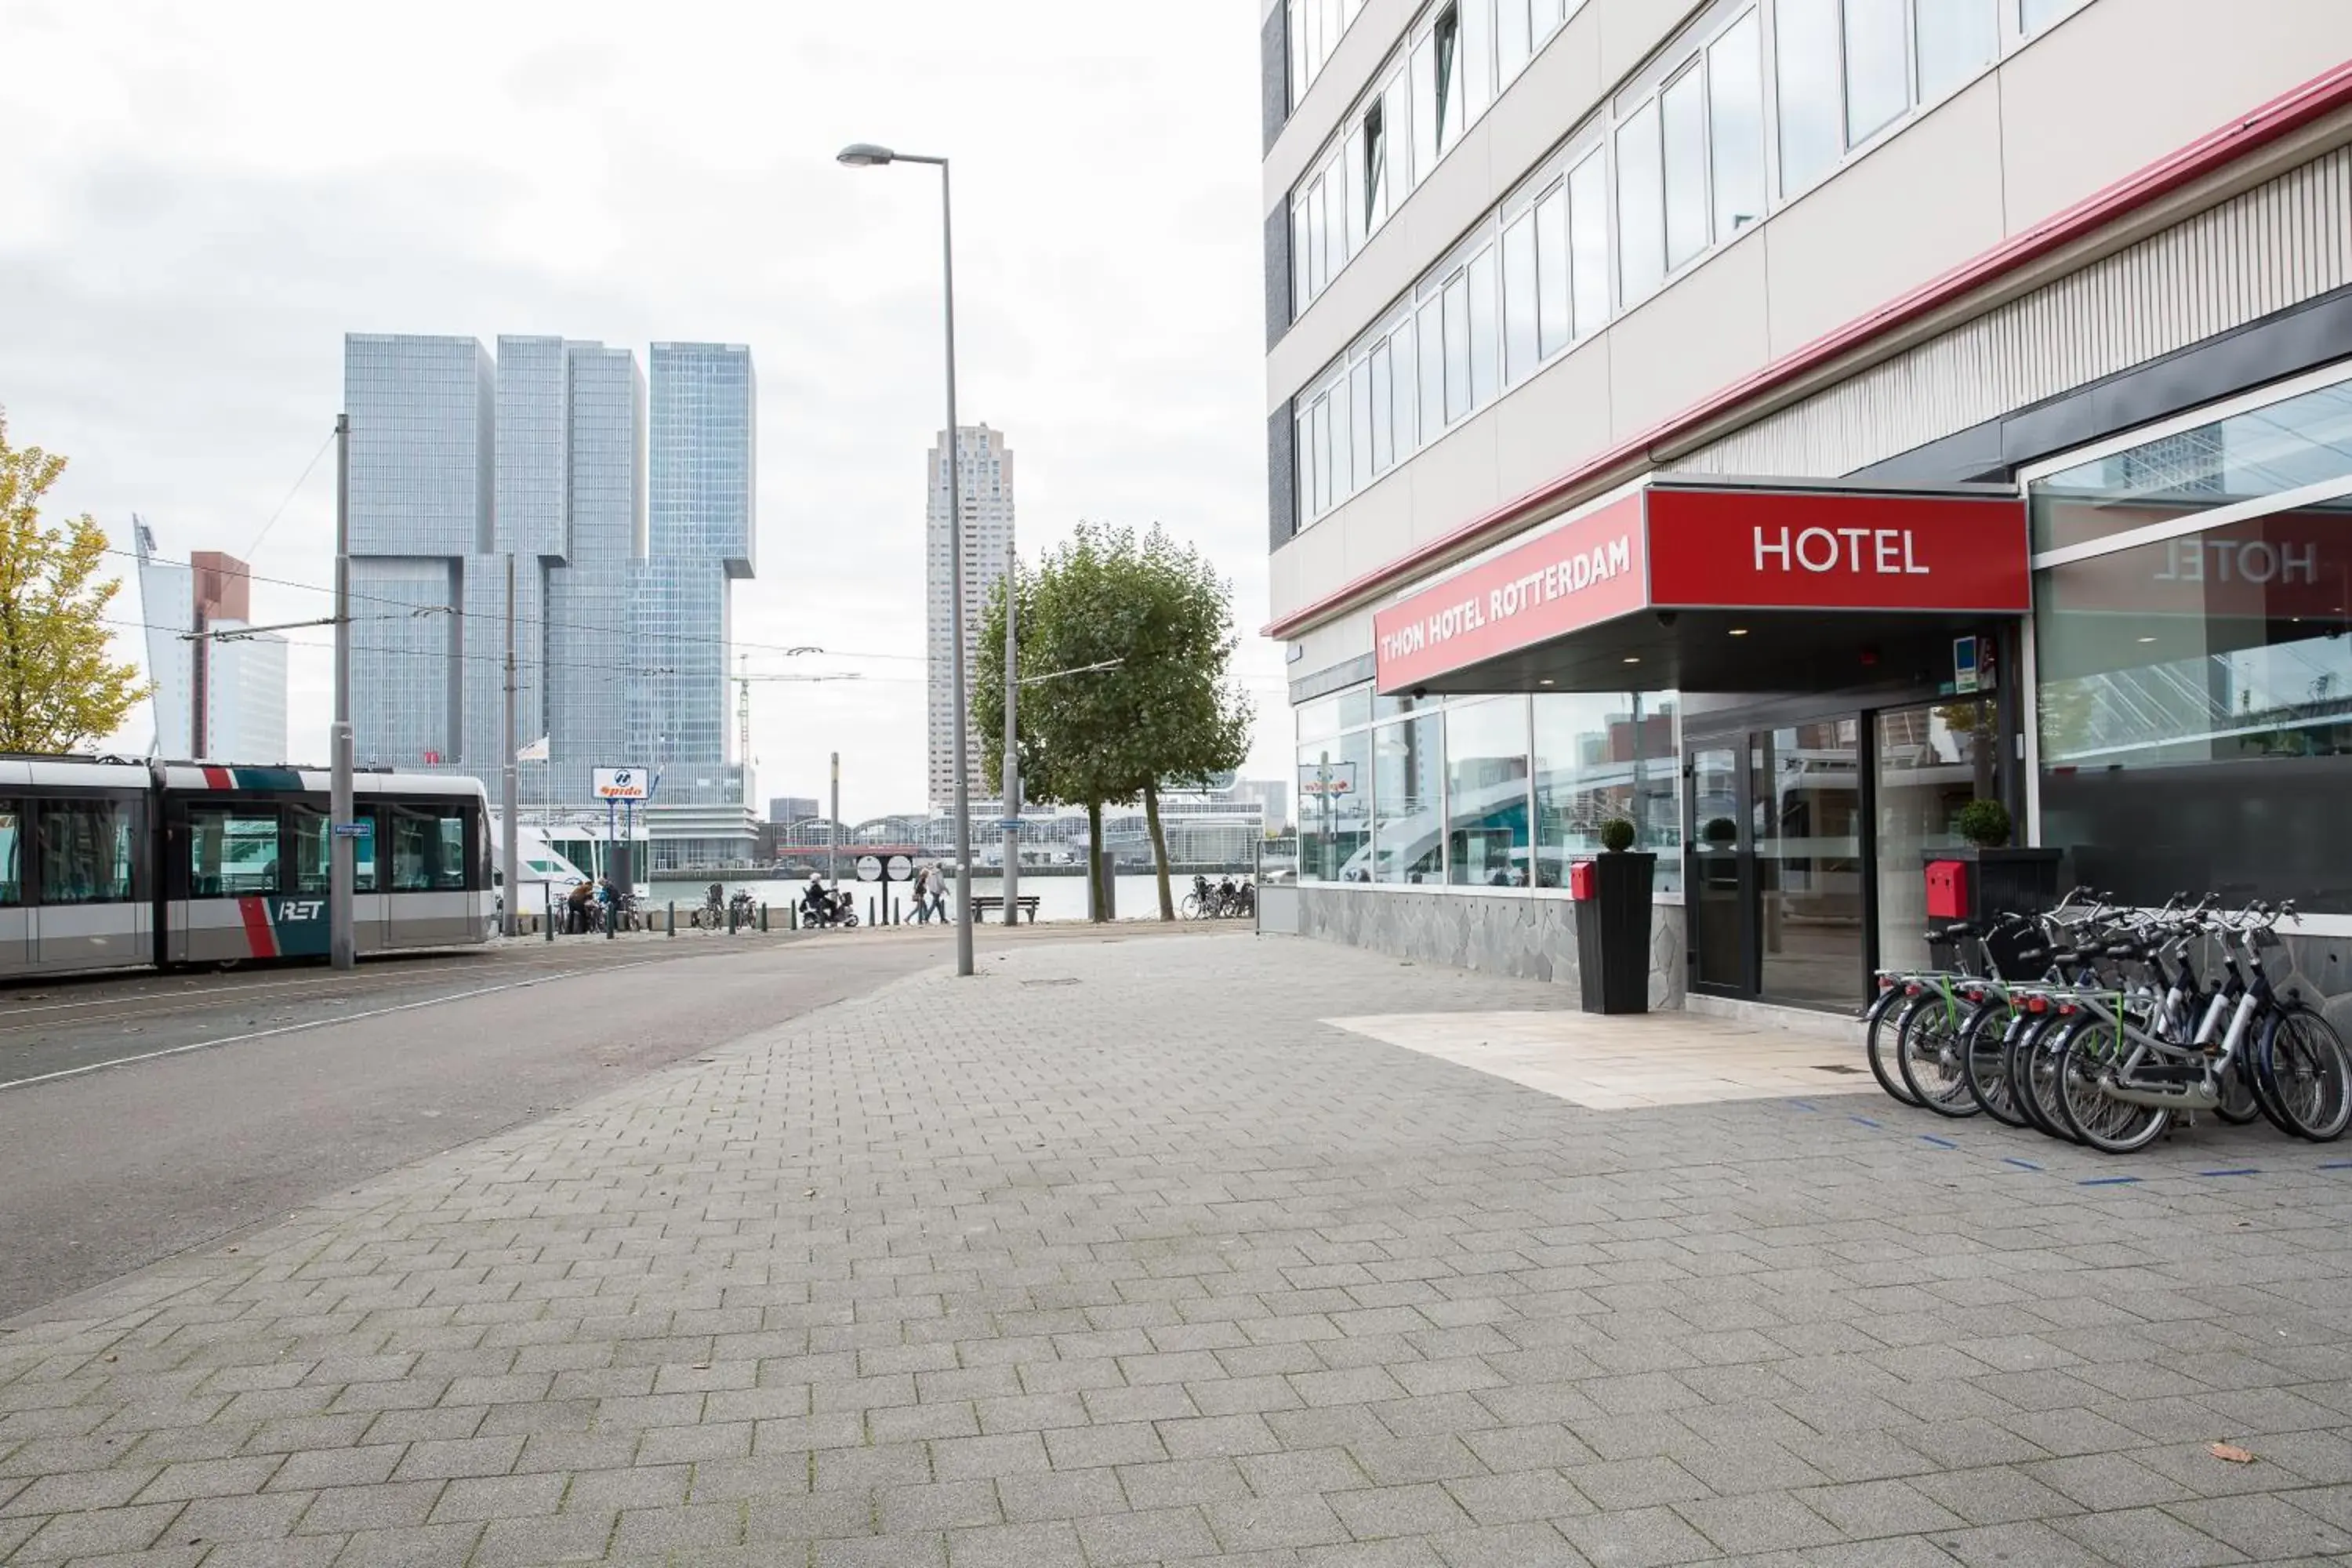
(500, 658)
(291, 493)
(672, 639)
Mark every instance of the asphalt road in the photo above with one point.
(142, 1117)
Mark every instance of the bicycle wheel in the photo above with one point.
(2034, 1077)
(1984, 1061)
(1928, 1055)
(2241, 1103)
(1885, 1022)
(1191, 908)
(2304, 1068)
(2110, 1126)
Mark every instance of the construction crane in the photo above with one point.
(743, 694)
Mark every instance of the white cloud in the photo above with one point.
(204, 199)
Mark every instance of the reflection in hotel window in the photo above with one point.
(1487, 793)
(1335, 807)
(1599, 755)
(2195, 706)
(1407, 843)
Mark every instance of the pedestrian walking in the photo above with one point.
(921, 891)
(935, 891)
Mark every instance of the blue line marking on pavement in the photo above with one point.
(1939, 1142)
(2107, 1181)
(1865, 1121)
(2020, 1164)
(2336, 1165)
(1804, 1105)
(2243, 1171)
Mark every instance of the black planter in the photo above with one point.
(1612, 934)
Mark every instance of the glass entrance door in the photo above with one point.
(1775, 896)
(1805, 805)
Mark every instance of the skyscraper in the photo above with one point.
(542, 456)
(215, 699)
(986, 476)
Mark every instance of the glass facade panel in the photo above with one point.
(1485, 330)
(1404, 384)
(1487, 793)
(1805, 66)
(1599, 755)
(1734, 122)
(1682, 111)
(1557, 327)
(232, 850)
(1587, 220)
(1521, 339)
(2195, 703)
(1407, 764)
(1956, 38)
(1877, 77)
(1512, 39)
(2033, 16)
(2301, 441)
(306, 849)
(1381, 408)
(1335, 809)
(1641, 206)
(1359, 422)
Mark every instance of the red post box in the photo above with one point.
(1582, 886)
(1947, 891)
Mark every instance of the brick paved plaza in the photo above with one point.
(1118, 1253)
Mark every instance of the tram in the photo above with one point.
(110, 864)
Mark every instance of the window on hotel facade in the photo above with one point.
(1877, 75)
(1682, 114)
(1953, 40)
(1407, 764)
(1487, 793)
(1805, 61)
(1522, 341)
(1640, 205)
(1735, 103)
(1315, 27)
(1334, 801)
(2033, 16)
(2194, 678)
(1600, 755)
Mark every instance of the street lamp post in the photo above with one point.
(1012, 731)
(342, 868)
(866, 155)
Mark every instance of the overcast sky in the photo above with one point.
(200, 200)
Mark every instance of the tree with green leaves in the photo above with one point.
(57, 687)
(1166, 715)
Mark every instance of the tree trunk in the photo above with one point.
(1100, 895)
(1158, 848)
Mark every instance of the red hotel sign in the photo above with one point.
(1670, 548)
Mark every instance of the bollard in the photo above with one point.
(763, 919)
(731, 916)
(673, 916)
(869, 910)
(612, 923)
(791, 917)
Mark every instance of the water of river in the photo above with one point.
(1059, 898)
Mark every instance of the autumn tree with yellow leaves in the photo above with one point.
(57, 687)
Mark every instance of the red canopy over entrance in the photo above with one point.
(1717, 585)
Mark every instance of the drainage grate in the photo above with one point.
(1834, 1067)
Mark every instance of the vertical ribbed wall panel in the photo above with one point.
(2287, 240)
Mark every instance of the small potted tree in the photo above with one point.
(1997, 875)
(1612, 923)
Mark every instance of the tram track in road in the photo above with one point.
(145, 1017)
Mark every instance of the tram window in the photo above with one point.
(428, 850)
(12, 852)
(232, 851)
(307, 843)
(85, 851)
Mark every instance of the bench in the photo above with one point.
(986, 904)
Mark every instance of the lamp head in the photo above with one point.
(864, 155)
